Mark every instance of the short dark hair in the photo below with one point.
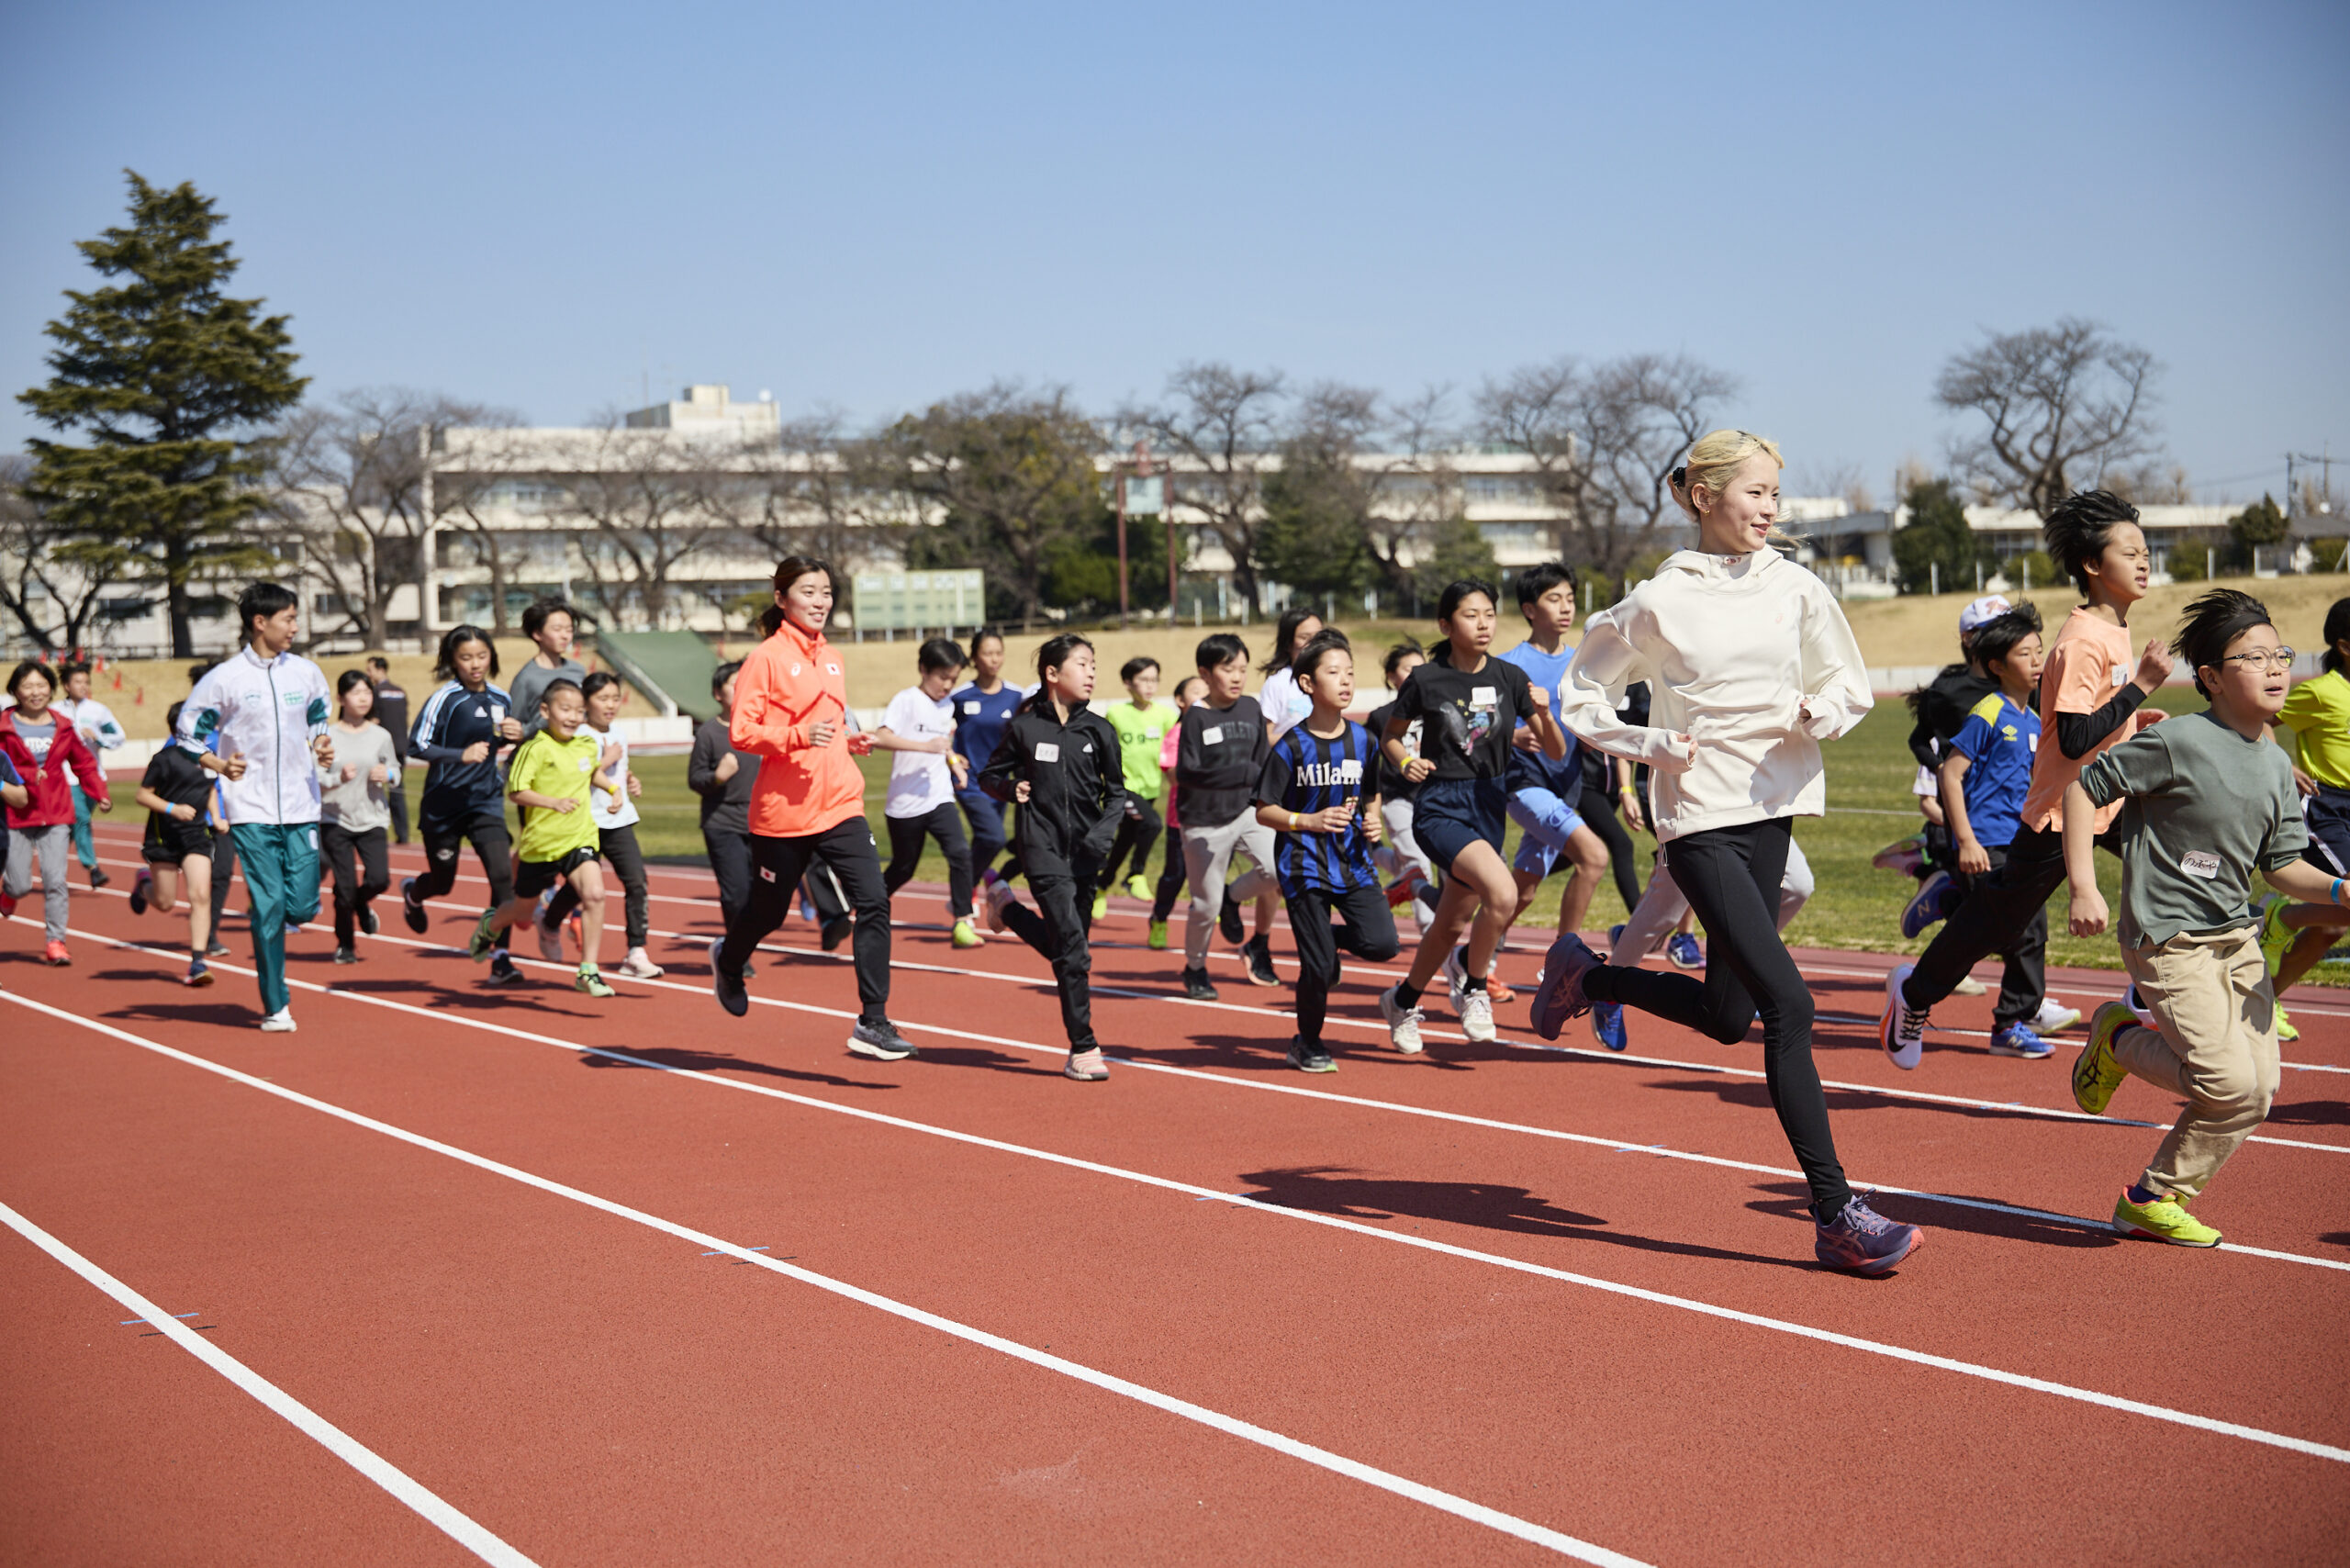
(1998, 637)
(985, 634)
(722, 673)
(378, 661)
(1538, 580)
(32, 667)
(199, 669)
(260, 602)
(1407, 649)
(1309, 657)
(349, 678)
(2337, 627)
(940, 653)
(171, 718)
(600, 680)
(2212, 621)
(70, 668)
(445, 662)
(1134, 666)
(1220, 648)
(2077, 528)
(557, 687)
(534, 620)
(1057, 652)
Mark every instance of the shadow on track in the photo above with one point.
(1748, 1092)
(1794, 1201)
(720, 1062)
(227, 1014)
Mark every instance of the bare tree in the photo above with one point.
(1844, 479)
(641, 504)
(1219, 424)
(819, 491)
(2060, 405)
(52, 597)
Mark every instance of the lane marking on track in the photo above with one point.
(428, 1505)
(1399, 1108)
(1232, 1426)
(1636, 1293)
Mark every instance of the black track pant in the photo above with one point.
(846, 849)
(489, 837)
(1995, 911)
(1366, 928)
(985, 815)
(397, 795)
(618, 845)
(2024, 985)
(1066, 900)
(1730, 877)
(224, 868)
(1136, 834)
(906, 835)
(1597, 809)
(1170, 878)
(730, 862)
(361, 872)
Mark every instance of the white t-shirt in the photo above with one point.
(1283, 703)
(920, 781)
(612, 807)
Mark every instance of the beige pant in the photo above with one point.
(2217, 1046)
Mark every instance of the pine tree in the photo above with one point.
(162, 373)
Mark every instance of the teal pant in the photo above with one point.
(86, 846)
(281, 880)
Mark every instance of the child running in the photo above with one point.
(94, 722)
(2089, 697)
(981, 710)
(1941, 707)
(2316, 716)
(458, 734)
(722, 776)
(1399, 855)
(1280, 698)
(1312, 794)
(1142, 723)
(268, 705)
(49, 757)
(1188, 691)
(924, 774)
(1219, 756)
(1751, 666)
(354, 807)
(177, 792)
(549, 779)
(616, 819)
(2205, 801)
(1468, 705)
(1059, 761)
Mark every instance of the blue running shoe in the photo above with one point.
(1607, 1024)
(1615, 935)
(1928, 905)
(2017, 1040)
(1865, 1241)
(1558, 992)
(1685, 952)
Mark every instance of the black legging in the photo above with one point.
(1170, 878)
(1730, 877)
(488, 834)
(360, 873)
(847, 849)
(907, 836)
(1597, 809)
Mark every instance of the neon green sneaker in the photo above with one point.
(966, 935)
(2285, 1030)
(484, 934)
(588, 982)
(2096, 1075)
(2165, 1220)
(2275, 934)
(1136, 887)
(1157, 943)
(1101, 903)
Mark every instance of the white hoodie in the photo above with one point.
(1751, 657)
(269, 711)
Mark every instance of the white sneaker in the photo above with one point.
(1902, 1030)
(997, 895)
(1968, 986)
(279, 1023)
(636, 966)
(1473, 1008)
(550, 941)
(2053, 1016)
(1403, 1024)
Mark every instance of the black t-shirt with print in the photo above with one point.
(1466, 720)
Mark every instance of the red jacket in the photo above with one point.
(787, 685)
(52, 801)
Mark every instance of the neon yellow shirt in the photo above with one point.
(2317, 712)
(1139, 732)
(563, 770)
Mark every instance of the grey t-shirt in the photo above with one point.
(531, 683)
(2203, 810)
(356, 805)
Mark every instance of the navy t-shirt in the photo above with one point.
(1305, 773)
(979, 721)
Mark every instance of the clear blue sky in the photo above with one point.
(873, 205)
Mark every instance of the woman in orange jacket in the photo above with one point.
(808, 804)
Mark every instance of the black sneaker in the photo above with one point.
(216, 949)
(98, 878)
(730, 992)
(345, 956)
(411, 909)
(881, 1041)
(1259, 951)
(838, 932)
(138, 887)
(367, 921)
(502, 972)
(1309, 1058)
(1229, 921)
(1197, 986)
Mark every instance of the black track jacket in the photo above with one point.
(1077, 793)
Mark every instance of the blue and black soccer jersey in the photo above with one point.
(457, 791)
(1998, 741)
(1306, 773)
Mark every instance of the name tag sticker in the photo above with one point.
(1483, 697)
(586, 763)
(2121, 676)
(1212, 735)
(1049, 751)
(971, 705)
(2200, 863)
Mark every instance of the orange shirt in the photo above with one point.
(2086, 668)
(789, 682)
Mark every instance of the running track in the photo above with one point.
(457, 1274)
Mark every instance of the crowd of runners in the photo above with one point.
(1695, 709)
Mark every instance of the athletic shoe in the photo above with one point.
(2017, 1040)
(550, 938)
(588, 982)
(1907, 855)
(216, 949)
(1607, 1024)
(1402, 1023)
(2137, 1006)
(2275, 934)
(1927, 905)
(1136, 887)
(1615, 935)
(729, 992)
(996, 896)
(1901, 1030)
(8, 905)
(2096, 1075)
(292, 928)
(881, 1041)
(279, 1023)
(55, 953)
(966, 935)
(1557, 990)
(1403, 888)
(1259, 951)
(2286, 1033)
(1086, 1065)
(411, 909)
(1863, 1240)
(138, 886)
(1197, 986)
(368, 923)
(2162, 1220)
(198, 975)
(1499, 992)
(2052, 1016)
(1157, 941)
(835, 932)
(502, 972)
(1475, 1008)
(1425, 898)
(1309, 1058)
(345, 956)
(1227, 920)
(636, 966)
(1968, 986)
(1101, 904)
(484, 937)
(98, 878)
(1682, 951)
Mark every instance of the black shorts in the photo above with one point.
(2327, 816)
(1452, 814)
(532, 878)
(169, 840)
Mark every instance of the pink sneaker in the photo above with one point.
(55, 953)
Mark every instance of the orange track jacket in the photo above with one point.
(789, 682)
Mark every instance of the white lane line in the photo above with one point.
(1612, 1287)
(434, 1509)
(1399, 1108)
(1402, 1486)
